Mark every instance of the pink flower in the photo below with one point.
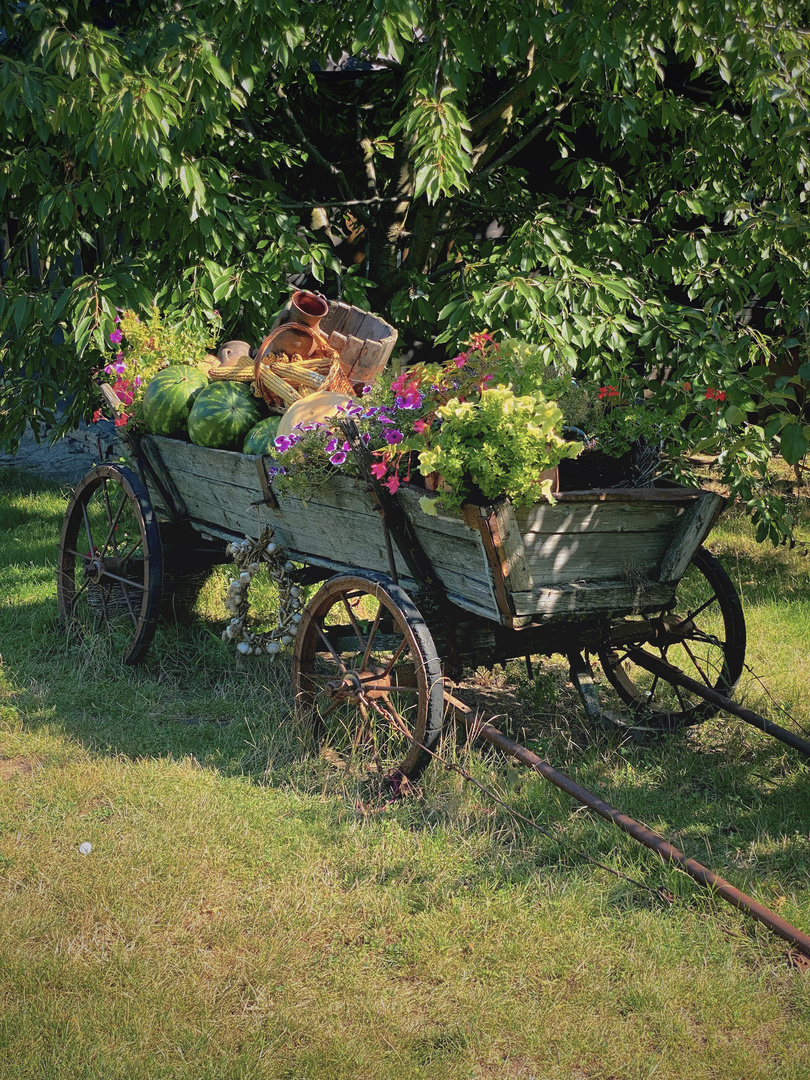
(392, 484)
(379, 469)
(116, 336)
(460, 360)
(420, 426)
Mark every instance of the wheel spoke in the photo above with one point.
(328, 645)
(696, 663)
(371, 635)
(358, 633)
(114, 523)
(703, 607)
(90, 545)
(400, 650)
(369, 687)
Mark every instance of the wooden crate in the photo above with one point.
(594, 552)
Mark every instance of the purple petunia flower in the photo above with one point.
(338, 458)
(393, 436)
(412, 399)
(331, 446)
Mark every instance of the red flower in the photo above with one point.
(97, 415)
(687, 386)
(715, 395)
(608, 391)
(420, 426)
(121, 419)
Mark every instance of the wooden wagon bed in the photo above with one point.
(607, 552)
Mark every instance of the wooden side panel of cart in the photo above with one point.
(595, 552)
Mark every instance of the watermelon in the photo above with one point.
(169, 397)
(259, 440)
(222, 414)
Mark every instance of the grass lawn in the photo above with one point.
(244, 913)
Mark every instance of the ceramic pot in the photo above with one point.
(308, 308)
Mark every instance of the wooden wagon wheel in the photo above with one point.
(702, 633)
(367, 676)
(110, 562)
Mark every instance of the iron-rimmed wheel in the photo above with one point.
(366, 675)
(110, 562)
(702, 633)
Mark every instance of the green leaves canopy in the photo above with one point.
(646, 164)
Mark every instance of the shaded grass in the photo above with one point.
(245, 912)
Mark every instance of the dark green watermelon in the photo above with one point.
(169, 397)
(222, 414)
(259, 440)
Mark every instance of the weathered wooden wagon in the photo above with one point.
(406, 598)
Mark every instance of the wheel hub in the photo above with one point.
(97, 568)
(354, 686)
(671, 630)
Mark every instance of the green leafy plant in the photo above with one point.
(145, 346)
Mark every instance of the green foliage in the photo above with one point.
(195, 159)
(501, 443)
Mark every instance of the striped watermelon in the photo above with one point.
(222, 414)
(169, 397)
(259, 440)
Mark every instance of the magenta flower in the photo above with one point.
(392, 484)
(411, 399)
(460, 360)
(338, 458)
(116, 336)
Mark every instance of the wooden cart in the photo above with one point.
(619, 574)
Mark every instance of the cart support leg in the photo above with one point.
(581, 675)
(673, 675)
(639, 832)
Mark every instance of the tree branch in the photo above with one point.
(497, 109)
(316, 155)
(507, 156)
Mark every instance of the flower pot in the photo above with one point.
(308, 308)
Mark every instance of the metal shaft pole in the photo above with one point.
(634, 828)
(671, 674)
